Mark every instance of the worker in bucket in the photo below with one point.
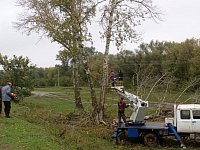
(120, 77)
(112, 78)
(121, 110)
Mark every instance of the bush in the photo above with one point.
(22, 92)
(66, 81)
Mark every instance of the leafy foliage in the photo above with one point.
(177, 61)
(120, 17)
(141, 67)
(19, 71)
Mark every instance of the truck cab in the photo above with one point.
(186, 118)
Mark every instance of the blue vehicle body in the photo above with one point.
(149, 132)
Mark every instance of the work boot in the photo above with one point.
(7, 115)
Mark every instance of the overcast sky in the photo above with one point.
(181, 21)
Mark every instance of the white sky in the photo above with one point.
(181, 21)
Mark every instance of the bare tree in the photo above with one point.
(118, 20)
(192, 83)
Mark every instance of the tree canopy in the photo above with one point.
(19, 71)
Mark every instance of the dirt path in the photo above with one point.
(43, 93)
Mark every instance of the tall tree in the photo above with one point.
(118, 20)
(64, 22)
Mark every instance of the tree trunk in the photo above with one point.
(88, 73)
(78, 102)
(105, 64)
(89, 77)
(90, 81)
(94, 116)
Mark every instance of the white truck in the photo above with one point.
(184, 125)
(186, 120)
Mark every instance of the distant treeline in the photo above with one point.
(174, 65)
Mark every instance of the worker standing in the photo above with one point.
(7, 96)
(121, 110)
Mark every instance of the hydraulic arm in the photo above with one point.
(138, 105)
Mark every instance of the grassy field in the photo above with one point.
(45, 121)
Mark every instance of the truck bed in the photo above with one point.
(147, 125)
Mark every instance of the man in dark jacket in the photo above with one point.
(121, 109)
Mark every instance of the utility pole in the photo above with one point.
(58, 77)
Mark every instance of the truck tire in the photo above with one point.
(121, 137)
(151, 140)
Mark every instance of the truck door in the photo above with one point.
(184, 121)
(196, 121)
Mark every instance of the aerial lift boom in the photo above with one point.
(138, 105)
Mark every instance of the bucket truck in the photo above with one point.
(185, 123)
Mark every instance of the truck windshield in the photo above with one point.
(196, 114)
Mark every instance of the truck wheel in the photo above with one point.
(151, 140)
(122, 136)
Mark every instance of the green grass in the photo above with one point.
(56, 105)
(44, 123)
(18, 134)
